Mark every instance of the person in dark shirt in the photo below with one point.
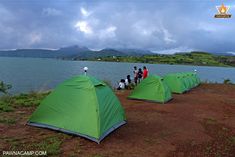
(128, 82)
(135, 75)
(140, 75)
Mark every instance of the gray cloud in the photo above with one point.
(161, 26)
(51, 12)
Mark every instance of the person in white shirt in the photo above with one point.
(121, 85)
(128, 81)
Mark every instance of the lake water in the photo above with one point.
(35, 74)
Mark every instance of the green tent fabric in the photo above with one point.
(176, 83)
(82, 106)
(186, 80)
(182, 82)
(198, 81)
(189, 80)
(152, 88)
(193, 77)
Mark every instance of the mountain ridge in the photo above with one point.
(76, 52)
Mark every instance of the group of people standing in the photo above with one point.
(139, 75)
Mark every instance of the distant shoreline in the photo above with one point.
(153, 63)
(193, 59)
(115, 61)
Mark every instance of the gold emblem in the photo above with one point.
(222, 12)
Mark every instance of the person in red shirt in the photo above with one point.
(145, 72)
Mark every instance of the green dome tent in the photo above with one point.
(182, 82)
(152, 88)
(197, 79)
(186, 81)
(193, 77)
(82, 106)
(190, 79)
(176, 83)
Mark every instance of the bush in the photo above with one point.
(4, 87)
(5, 102)
(227, 81)
(4, 106)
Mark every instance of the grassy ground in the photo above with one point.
(11, 113)
(198, 123)
(10, 103)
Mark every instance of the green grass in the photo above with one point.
(50, 144)
(232, 140)
(97, 155)
(7, 120)
(30, 99)
(14, 142)
(4, 107)
(9, 103)
(210, 121)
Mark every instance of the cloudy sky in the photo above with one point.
(157, 25)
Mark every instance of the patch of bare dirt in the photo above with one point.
(198, 123)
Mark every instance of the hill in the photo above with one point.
(44, 53)
(89, 54)
(70, 53)
(126, 55)
(192, 58)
